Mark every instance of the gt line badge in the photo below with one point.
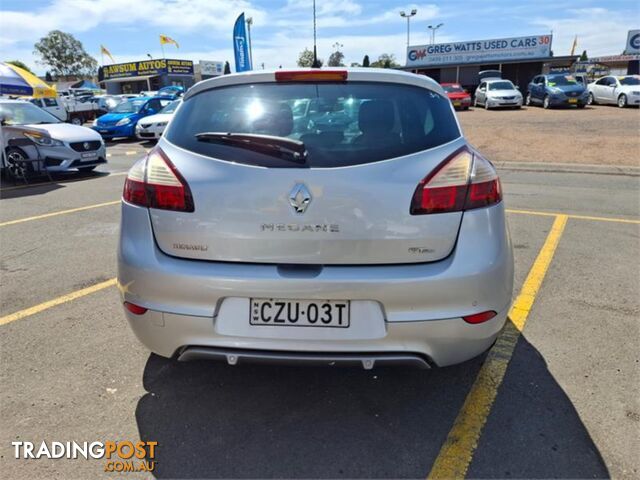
(300, 198)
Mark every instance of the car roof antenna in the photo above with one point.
(316, 63)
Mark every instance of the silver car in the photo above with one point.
(378, 238)
(497, 93)
(29, 132)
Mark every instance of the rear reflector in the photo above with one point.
(312, 76)
(156, 183)
(135, 309)
(480, 317)
(463, 181)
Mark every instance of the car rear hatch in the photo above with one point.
(348, 202)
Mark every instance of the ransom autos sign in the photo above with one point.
(480, 51)
(145, 68)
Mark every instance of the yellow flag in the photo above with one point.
(575, 44)
(164, 39)
(104, 51)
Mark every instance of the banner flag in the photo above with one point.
(240, 45)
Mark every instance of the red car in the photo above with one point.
(458, 95)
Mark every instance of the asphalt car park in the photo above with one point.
(557, 396)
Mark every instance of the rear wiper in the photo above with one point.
(282, 147)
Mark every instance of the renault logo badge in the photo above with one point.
(300, 198)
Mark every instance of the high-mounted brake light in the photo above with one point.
(312, 76)
(155, 182)
(464, 181)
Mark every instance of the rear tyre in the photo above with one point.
(591, 100)
(622, 101)
(546, 103)
(76, 121)
(87, 169)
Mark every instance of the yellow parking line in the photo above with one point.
(578, 217)
(55, 214)
(458, 449)
(56, 301)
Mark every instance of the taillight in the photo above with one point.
(311, 76)
(155, 182)
(135, 309)
(464, 181)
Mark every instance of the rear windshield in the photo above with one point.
(339, 123)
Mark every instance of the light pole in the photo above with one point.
(408, 17)
(433, 31)
(249, 23)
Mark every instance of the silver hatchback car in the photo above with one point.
(328, 216)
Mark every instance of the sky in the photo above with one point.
(130, 29)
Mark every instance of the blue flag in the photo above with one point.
(241, 45)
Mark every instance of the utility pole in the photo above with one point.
(408, 17)
(316, 63)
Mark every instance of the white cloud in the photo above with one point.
(599, 31)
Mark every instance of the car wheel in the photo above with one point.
(527, 100)
(17, 167)
(622, 101)
(76, 121)
(87, 169)
(581, 105)
(465, 108)
(546, 103)
(591, 100)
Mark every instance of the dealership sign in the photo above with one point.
(145, 68)
(633, 42)
(211, 68)
(480, 51)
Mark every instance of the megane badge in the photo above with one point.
(300, 198)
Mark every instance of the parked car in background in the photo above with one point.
(106, 103)
(69, 109)
(618, 90)
(122, 120)
(497, 94)
(459, 97)
(32, 133)
(175, 91)
(248, 240)
(556, 90)
(152, 127)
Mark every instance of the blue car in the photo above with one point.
(556, 90)
(122, 120)
(174, 91)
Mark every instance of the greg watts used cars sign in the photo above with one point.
(479, 51)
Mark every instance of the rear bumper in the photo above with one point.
(421, 305)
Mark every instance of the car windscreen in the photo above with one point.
(19, 113)
(171, 107)
(340, 124)
(130, 106)
(559, 80)
(501, 86)
(629, 80)
(452, 88)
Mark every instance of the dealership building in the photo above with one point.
(135, 77)
(518, 58)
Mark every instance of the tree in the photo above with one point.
(227, 68)
(335, 59)
(583, 57)
(21, 65)
(305, 59)
(365, 61)
(64, 55)
(386, 61)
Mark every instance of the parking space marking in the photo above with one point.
(456, 453)
(578, 217)
(55, 214)
(71, 180)
(27, 312)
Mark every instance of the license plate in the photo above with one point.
(573, 100)
(89, 155)
(299, 313)
(456, 104)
